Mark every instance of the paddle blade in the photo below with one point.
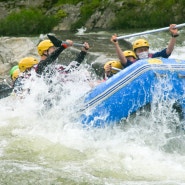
(54, 40)
(57, 42)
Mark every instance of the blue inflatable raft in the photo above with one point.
(133, 88)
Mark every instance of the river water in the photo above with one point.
(51, 147)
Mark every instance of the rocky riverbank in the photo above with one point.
(108, 14)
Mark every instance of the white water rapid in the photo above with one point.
(47, 147)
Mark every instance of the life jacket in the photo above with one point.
(150, 55)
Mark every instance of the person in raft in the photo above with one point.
(112, 67)
(48, 68)
(14, 74)
(141, 48)
(26, 69)
(49, 53)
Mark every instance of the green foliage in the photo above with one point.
(49, 3)
(86, 10)
(5, 0)
(137, 14)
(125, 18)
(132, 14)
(60, 14)
(61, 2)
(27, 22)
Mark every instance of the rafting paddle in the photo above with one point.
(58, 42)
(148, 32)
(115, 68)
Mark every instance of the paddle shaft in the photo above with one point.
(58, 42)
(148, 32)
(115, 68)
(74, 44)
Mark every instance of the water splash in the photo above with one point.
(81, 31)
(40, 146)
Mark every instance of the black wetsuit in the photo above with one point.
(42, 65)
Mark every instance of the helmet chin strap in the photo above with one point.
(46, 54)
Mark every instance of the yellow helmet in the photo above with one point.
(15, 74)
(140, 43)
(43, 46)
(116, 64)
(129, 53)
(27, 63)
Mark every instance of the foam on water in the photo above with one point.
(81, 30)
